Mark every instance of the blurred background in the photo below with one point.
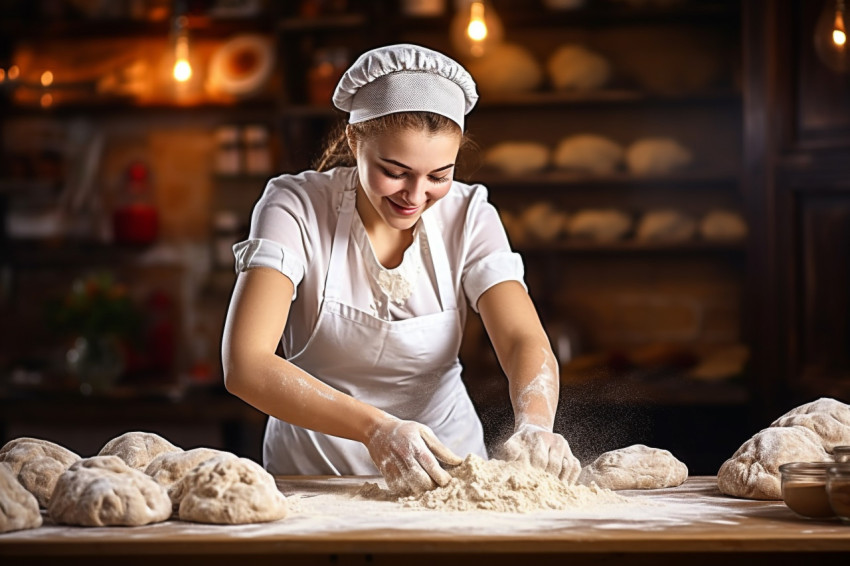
(675, 173)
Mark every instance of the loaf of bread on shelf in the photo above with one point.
(518, 157)
(506, 68)
(543, 222)
(591, 153)
(657, 156)
(666, 225)
(723, 225)
(577, 68)
(599, 225)
(513, 226)
(721, 362)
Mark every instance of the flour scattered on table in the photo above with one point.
(507, 487)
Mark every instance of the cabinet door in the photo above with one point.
(823, 296)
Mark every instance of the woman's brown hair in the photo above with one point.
(337, 152)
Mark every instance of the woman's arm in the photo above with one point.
(526, 356)
(255, 320)
(259, 308)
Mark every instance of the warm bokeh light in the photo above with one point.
(839, 37)
(477, 28)
(839, 34)
(46, 78)
(46, 100)
(2, 74)
(182, 71)
(13, 73)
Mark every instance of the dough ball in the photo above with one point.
(507, 68)
(753, 470)
(574, 67)
(37, 464)
(169, 467)
(723, 225)
(826, 417)
(105, 491)
(666, 226)
(657, 156)
(517, 157)
(543, 222)
(722, 363)
(18, 507)
(590, 153)
(228, 490)
(138, 449)
(837, 409)
(635, 467)
(599, 225)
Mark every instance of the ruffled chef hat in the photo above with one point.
(405, 77)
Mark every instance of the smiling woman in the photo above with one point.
(363, 271)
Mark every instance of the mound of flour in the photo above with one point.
(507, 487)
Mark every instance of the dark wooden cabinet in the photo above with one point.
(797, 153)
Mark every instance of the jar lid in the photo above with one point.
(227, 134)
(805, 469)
(838, 469)
(255, 133)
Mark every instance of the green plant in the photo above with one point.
(96, 306)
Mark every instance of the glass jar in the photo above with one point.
(838, 490)
(804, 489)
(841, 453)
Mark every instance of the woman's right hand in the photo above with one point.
(408, 455)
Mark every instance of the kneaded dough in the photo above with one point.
(575, 67)
(602, 225)
(517, 157)
(588, 152)
(666, 226)
(753, 470)
(104, 491)
(228, 490)
(168, 468)
(635, 467)
(138, 449)
(826, 417)
(657, 156)
(18, 507)
(37, 464)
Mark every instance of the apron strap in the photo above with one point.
(339, 248)
(442, 269)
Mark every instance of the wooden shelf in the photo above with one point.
(559, 179)
(261, 106)
(203, 26)
(608, 96)
(323, 23)
(632, 247)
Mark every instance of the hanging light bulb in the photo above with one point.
(476, 28)
(182, 68)
(830, 36)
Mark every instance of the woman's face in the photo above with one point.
(404, 173)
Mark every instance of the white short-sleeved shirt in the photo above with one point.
(292, 229)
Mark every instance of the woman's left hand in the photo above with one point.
(543, 449)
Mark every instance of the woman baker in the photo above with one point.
(363, 271)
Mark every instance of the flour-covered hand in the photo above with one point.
(542, 449)
(408, 455)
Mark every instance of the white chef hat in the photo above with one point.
(405, 77)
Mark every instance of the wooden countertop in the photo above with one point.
(329, 522)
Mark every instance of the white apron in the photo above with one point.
(408, 368)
